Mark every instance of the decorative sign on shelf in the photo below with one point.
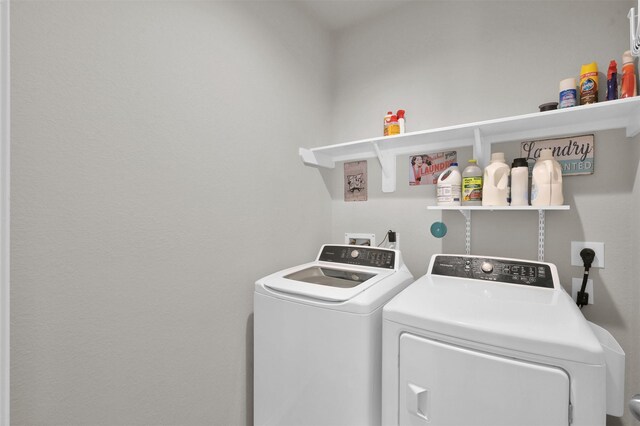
(355, 181)
(575, 154)
(424, 169)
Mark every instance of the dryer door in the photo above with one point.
(443, 384)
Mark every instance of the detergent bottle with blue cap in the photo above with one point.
(449, 187)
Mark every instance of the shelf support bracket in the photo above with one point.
(388, 165)
(467, 230)
(315, 159)
(633, 126)
(481, 149)
(540, 235)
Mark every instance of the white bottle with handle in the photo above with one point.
(546, 181)
(449, 187)
(495, 182)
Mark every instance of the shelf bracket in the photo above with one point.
(633, 126)
(388, 165)
(481, 149)
(540, 235)
(467, 230)
(315, 159)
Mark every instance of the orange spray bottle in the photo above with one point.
(628, 76)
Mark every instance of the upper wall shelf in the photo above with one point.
(618, 114)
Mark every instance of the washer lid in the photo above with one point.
(339, 274)
(330, 277)
(324, 281)
(541, 321)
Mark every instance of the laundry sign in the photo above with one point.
(424, 169)
(575, 154)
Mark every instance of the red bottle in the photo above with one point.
(400, 115)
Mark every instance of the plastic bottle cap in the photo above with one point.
(546, 154)
(497, 156)
(613, 68)
(627, 57)
(568, 84)
(473, 160)
(549, 106)
(588, 69)
(400, 113)
(454, 164)
(394, 117)
(519, 162)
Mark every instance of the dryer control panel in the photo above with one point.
(359, 255)
(493, 269)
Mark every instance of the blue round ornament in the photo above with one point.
(438, 229)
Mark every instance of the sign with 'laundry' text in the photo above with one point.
(575, 154)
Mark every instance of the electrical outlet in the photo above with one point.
(576, 284)
(577, 246)
(360, 239)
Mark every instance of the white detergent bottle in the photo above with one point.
(449, 187)
(546, 181)
(520, 182)
(495, 189)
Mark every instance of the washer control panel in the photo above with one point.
(491, 269)
(359, 255)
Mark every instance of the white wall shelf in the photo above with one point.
(466, 212)
(618, 114)
(492, 208)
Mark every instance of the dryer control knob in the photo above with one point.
(486, 267)
(355, 253)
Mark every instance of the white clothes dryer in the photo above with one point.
(318, 337)
(493, 341)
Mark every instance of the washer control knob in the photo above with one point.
(355, 253)
(486, 267)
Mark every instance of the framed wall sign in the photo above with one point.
(355, 181)
(424, 169)
(575, 154)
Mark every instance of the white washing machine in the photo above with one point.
(491, 341)
(318, 337)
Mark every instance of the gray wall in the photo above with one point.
(450, 63)
(634, 370)
(155, 177)
(155, 167)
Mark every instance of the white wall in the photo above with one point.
(633, 372)
(155, 177)
(635, 369)
(155, 167)
(5, 162)
(455, 62)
